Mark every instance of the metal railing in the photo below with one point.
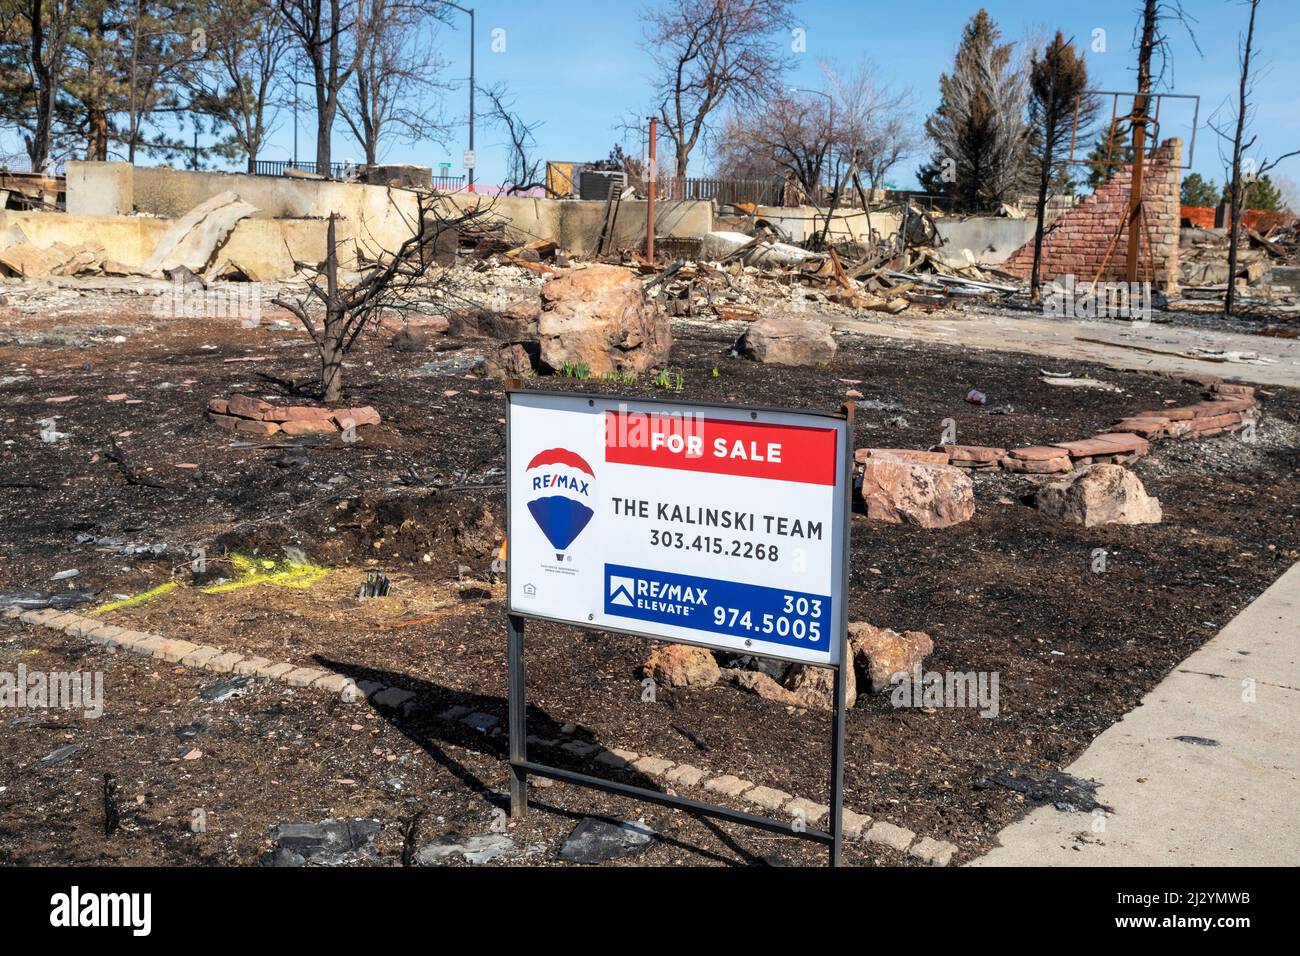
(762, 192)
(23, 166)
(449, 184)
(281, 167)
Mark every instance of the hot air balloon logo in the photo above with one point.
(562, 486)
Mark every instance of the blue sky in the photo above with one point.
(580, 69)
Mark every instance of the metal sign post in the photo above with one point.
(718, 526)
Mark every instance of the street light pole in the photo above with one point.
(830, 145)
(470, 11)
(295, 110)
(830, 117)
(471, 97)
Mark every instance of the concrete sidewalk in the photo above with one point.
(1177, 803)
(1120, 346)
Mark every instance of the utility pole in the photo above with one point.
(652, 174)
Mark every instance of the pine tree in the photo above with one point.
(1058, 100)
(1260, 195)
(979, 130)
(1110, 153)
(1196, 191)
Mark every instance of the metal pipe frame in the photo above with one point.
(521, 766)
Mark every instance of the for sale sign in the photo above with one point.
(712, 525)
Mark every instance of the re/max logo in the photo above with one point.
(580, 485)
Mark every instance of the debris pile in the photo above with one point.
(1268, 266)
(21, 259)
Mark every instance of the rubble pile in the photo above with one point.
(1268, 266)
(885, 276)
(20, 259)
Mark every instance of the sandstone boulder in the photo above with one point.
(408, 339)
(885, 653)
(682, 665)
(917, 493)
(811, 688)
(814, 687)
(512, 360)
(787, 340)
(1098, 495)
(598, 317)
(516, 322)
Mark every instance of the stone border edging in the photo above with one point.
(857, 826)
(1227, 408)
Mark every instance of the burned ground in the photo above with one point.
(421, 498)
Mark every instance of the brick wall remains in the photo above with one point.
(1076, 243)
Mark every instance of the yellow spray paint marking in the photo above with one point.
(251, 572)
(138, 599)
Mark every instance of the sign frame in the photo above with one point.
(521, 767)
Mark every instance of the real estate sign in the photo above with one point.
(721, 526)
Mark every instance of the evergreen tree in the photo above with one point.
(1197, 191)
(1260, 194)
(979, 130)
(1058, 84)
(1108, 155)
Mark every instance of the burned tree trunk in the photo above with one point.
(392, 285)
(1238, 187)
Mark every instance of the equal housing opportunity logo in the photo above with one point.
(77, 909)
(55, 690)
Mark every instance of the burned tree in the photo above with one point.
(1241, 179)
(1058, 84)
(395, 91)
(708, 53)
(523, 170)
(1152, 43)
(336, 313)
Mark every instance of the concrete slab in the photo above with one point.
(1059, 338)
(1190, 802)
